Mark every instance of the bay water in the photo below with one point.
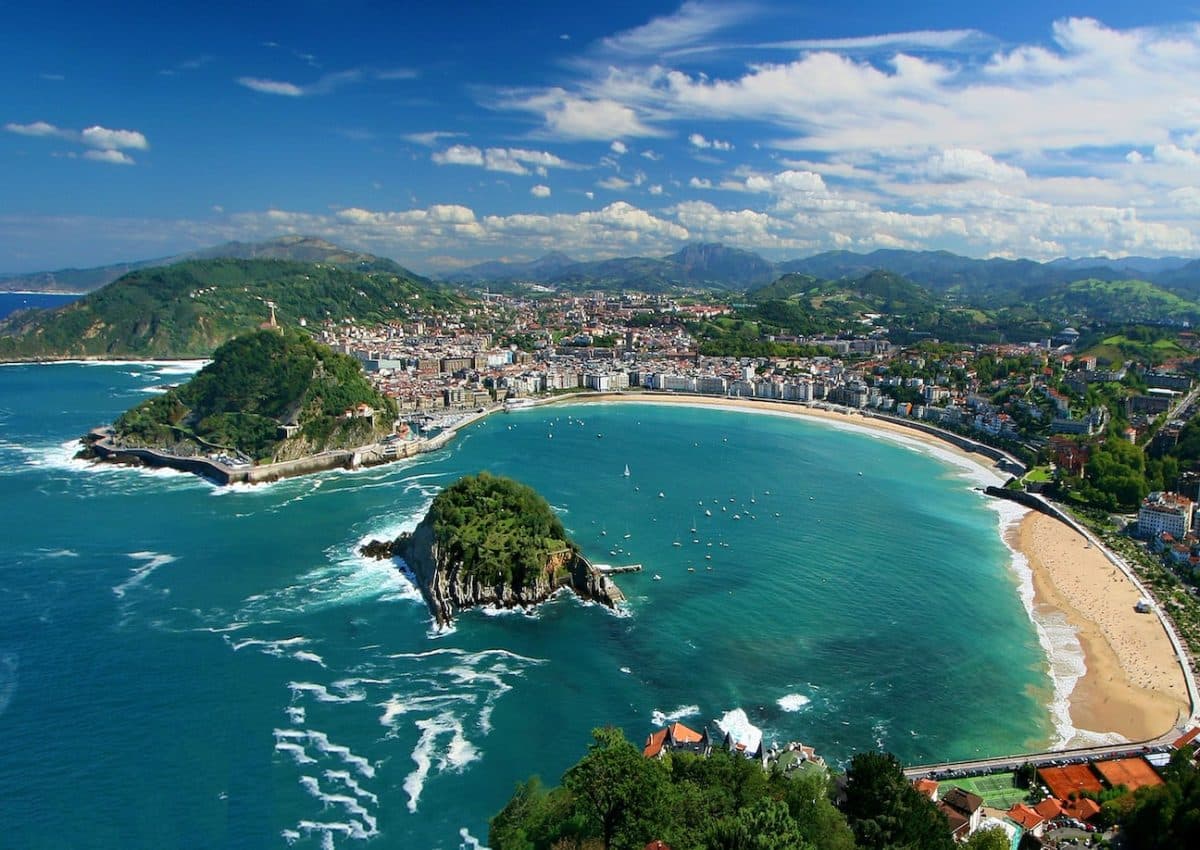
(189, 666)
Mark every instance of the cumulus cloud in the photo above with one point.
(540, 191)
(106, 139)
(618, 147)
(698, 141)
(959, 164)
(508, 160)
(37, 128)
(106, 145)
(575, 117)
(614, 183)
(655, 189)
(700, 183)
(111, 156)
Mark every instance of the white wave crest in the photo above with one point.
(153, 560)
(322, 694)
(793, 702)
(457, 755)
(661, 718)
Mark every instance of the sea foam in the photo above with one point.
(793, 702)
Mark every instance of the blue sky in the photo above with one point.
(442, 134)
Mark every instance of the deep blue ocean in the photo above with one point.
(10, 302)
(183, 666)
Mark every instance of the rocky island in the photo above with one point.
(491, 541)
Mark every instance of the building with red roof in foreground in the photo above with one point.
(1028, 819)
(927, 787)
(676, 737)
(1133, 773)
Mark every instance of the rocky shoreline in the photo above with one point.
(448, 590)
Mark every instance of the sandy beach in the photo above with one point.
(1133, 685)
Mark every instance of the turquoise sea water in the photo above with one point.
(186, 666)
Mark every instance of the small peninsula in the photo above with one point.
(273, 396)
(492, 541)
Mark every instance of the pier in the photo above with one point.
(610, 570)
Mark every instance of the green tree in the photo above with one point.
(766, 825)
(886, 812)
(988, 839)
(619, 790)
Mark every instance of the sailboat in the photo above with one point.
(626, 473)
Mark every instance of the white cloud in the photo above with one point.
(618, 147)
(264, 86)
(700, 183)
(691, 23)
(540, 191)
(569, 116)
(106, 144)
(652, 155)
(698, 141)
(106, 139)
(958, 164)
(655, 189)
(927, 39)
(614, 183)
(37, 128)
(1175, 155)
(324, 85)
(507, 160)
(431, 138)
(109, 155)
(458, 155)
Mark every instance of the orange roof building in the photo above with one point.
(1025, 817)
(1188, 737)
(1133, 773)
(1070, 779)
(675, 737)
(927, 787)
(1083, 808)
(1049, 808)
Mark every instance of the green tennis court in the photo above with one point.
(997, 790)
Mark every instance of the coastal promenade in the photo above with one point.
(1000, 764)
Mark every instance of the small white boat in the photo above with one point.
(661, 495)
(628, 535)
(657, 577)
(626, 473)
(708, 557)
(737, 516)
(707, 512)
(691, 569)
(676, 543)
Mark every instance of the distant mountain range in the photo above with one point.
(988, 283)
(711, 266)
(303, 249)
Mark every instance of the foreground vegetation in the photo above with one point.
(255, 384)
(616, 799)
(501, 531)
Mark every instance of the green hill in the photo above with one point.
(499, 529)
(1118, 301)
(255, 384)
(188, 309)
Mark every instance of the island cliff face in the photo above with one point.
(448, 584)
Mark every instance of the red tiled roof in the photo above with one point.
(1049, 808)
(680, 734)
(928, 787)
(1026, 817)
(654, 743)
(1186, 738)
(1083, 808)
